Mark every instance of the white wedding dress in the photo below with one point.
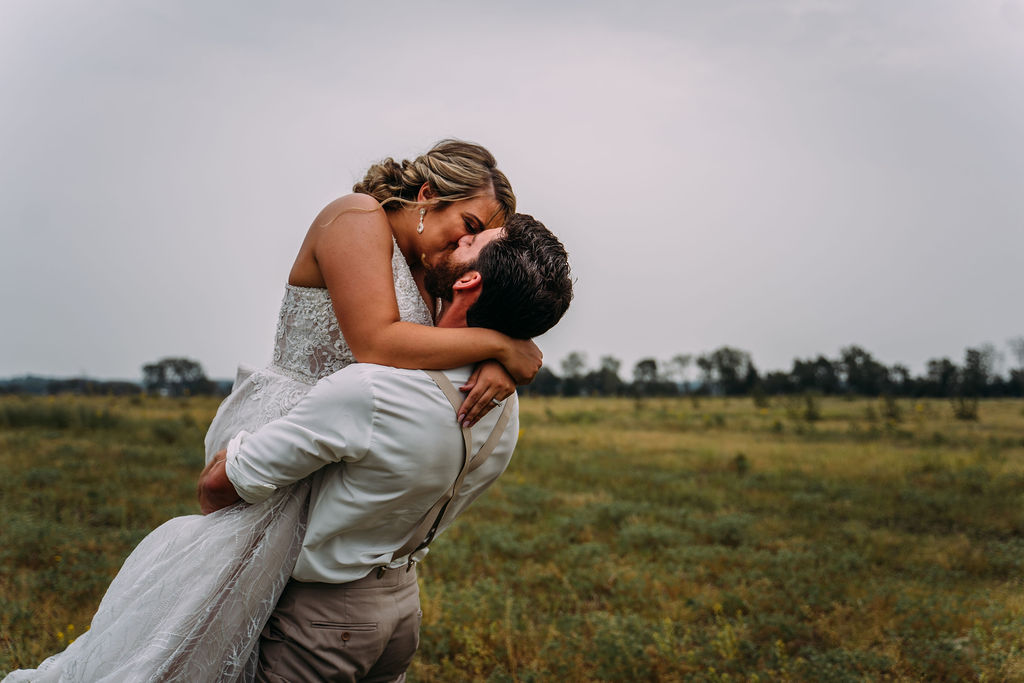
(190, 601)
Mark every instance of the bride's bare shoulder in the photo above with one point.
(355, 203)
(347, 224)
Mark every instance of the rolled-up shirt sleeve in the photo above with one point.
(332, 423)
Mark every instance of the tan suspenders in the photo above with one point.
(424, 533)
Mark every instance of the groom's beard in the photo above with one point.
(439, 280)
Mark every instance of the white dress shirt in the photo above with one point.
(384, 445)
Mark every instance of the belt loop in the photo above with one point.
(380, 572)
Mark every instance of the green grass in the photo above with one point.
(657, 540)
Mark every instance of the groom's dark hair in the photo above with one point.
(526, 281)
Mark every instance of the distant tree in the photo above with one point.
(645, 377)
(1016, 345)
(676, 368)
(978, 371)
(777, 382)
(941, 377)
(706, 367)
(900, 381)
(646, 371)
(1016, 378)
(802, 374)
(604, 381)
(819, 374)
(574, 364)
(176, 377)
(573, 367)
(861, 373)
(1016, 382)
(751, 379)
(728, 371)
(610, 364)
(546, 383)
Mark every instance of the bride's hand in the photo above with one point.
(215, 490)
(489, 382)
(522, 359)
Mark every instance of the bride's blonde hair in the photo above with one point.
(452, 169)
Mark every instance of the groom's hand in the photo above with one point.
(215, 490)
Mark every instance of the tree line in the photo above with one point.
(166, 377)
(728, 371)
(84, 386)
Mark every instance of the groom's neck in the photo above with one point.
(452, 315)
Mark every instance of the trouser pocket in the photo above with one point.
(345, 632)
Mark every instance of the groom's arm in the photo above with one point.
(332, 423)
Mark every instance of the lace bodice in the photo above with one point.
(309, 345)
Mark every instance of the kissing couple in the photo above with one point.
(330, 470)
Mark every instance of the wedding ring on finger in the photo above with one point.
(495, 401)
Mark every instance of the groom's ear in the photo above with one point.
(467, 289)
(469, 281)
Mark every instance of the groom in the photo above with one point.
(384, 449)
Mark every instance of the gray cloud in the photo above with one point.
(788, 177)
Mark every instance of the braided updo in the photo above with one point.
(452, 169)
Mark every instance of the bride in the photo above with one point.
(190, 601)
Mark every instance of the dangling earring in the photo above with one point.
(419, 228)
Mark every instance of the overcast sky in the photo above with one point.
(787, 177)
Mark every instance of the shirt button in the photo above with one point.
(345, 635)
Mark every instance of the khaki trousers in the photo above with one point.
(366, 630)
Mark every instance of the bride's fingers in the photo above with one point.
(471, 382)
(488, 386)
(477, 404)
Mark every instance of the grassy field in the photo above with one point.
(656, 540)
